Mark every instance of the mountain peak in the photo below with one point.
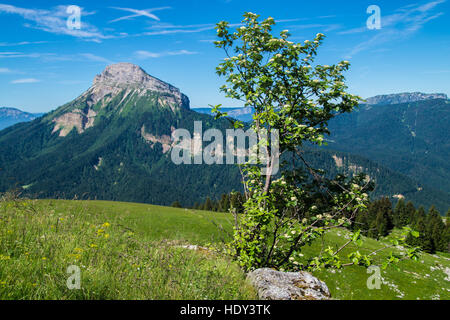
(120, 76)
(122, 73)
(405, 97)
(126, 81)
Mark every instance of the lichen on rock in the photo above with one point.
(276, 285)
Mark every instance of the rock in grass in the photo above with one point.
(276, 285)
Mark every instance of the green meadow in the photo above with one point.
(137, 251)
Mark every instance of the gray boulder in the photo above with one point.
(276, 285)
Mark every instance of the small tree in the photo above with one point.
(447, 230)
(208, 206)
(400, 214)
(409, 213)
(424, 240)
(224, 203)
(176, 204)
(294, 98)
(436, 229)
(419, 214)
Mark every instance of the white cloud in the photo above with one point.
(22, 43)
(158, 28)
(138, 13)
(24, 55)
(142, 54)
(5, 70)
(27, 80)
(55, 21)
(93, 57)
(170, 29)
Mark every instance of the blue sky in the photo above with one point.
(43, 64)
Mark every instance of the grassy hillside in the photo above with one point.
(40, 240)
(133, 251)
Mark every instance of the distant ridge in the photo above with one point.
(240, 113)
(406, 97)
(11, 116)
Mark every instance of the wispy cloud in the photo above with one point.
(55, 21)
(138, 13)
(56, 57)
(24, 55)
(96, 58)
(324, 27)
(158, 28)
(142, 54)
(5, 70)
(165, 28)
(23, 43)
(27, 80)
(402, 24)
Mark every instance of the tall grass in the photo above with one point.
(39, 241)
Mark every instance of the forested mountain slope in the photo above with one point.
(114, 143)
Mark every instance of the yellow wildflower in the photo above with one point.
(75, 256)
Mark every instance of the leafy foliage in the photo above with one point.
(295, 99)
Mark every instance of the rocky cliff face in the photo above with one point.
(131, 77)
(404, 98)
(125, 79)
